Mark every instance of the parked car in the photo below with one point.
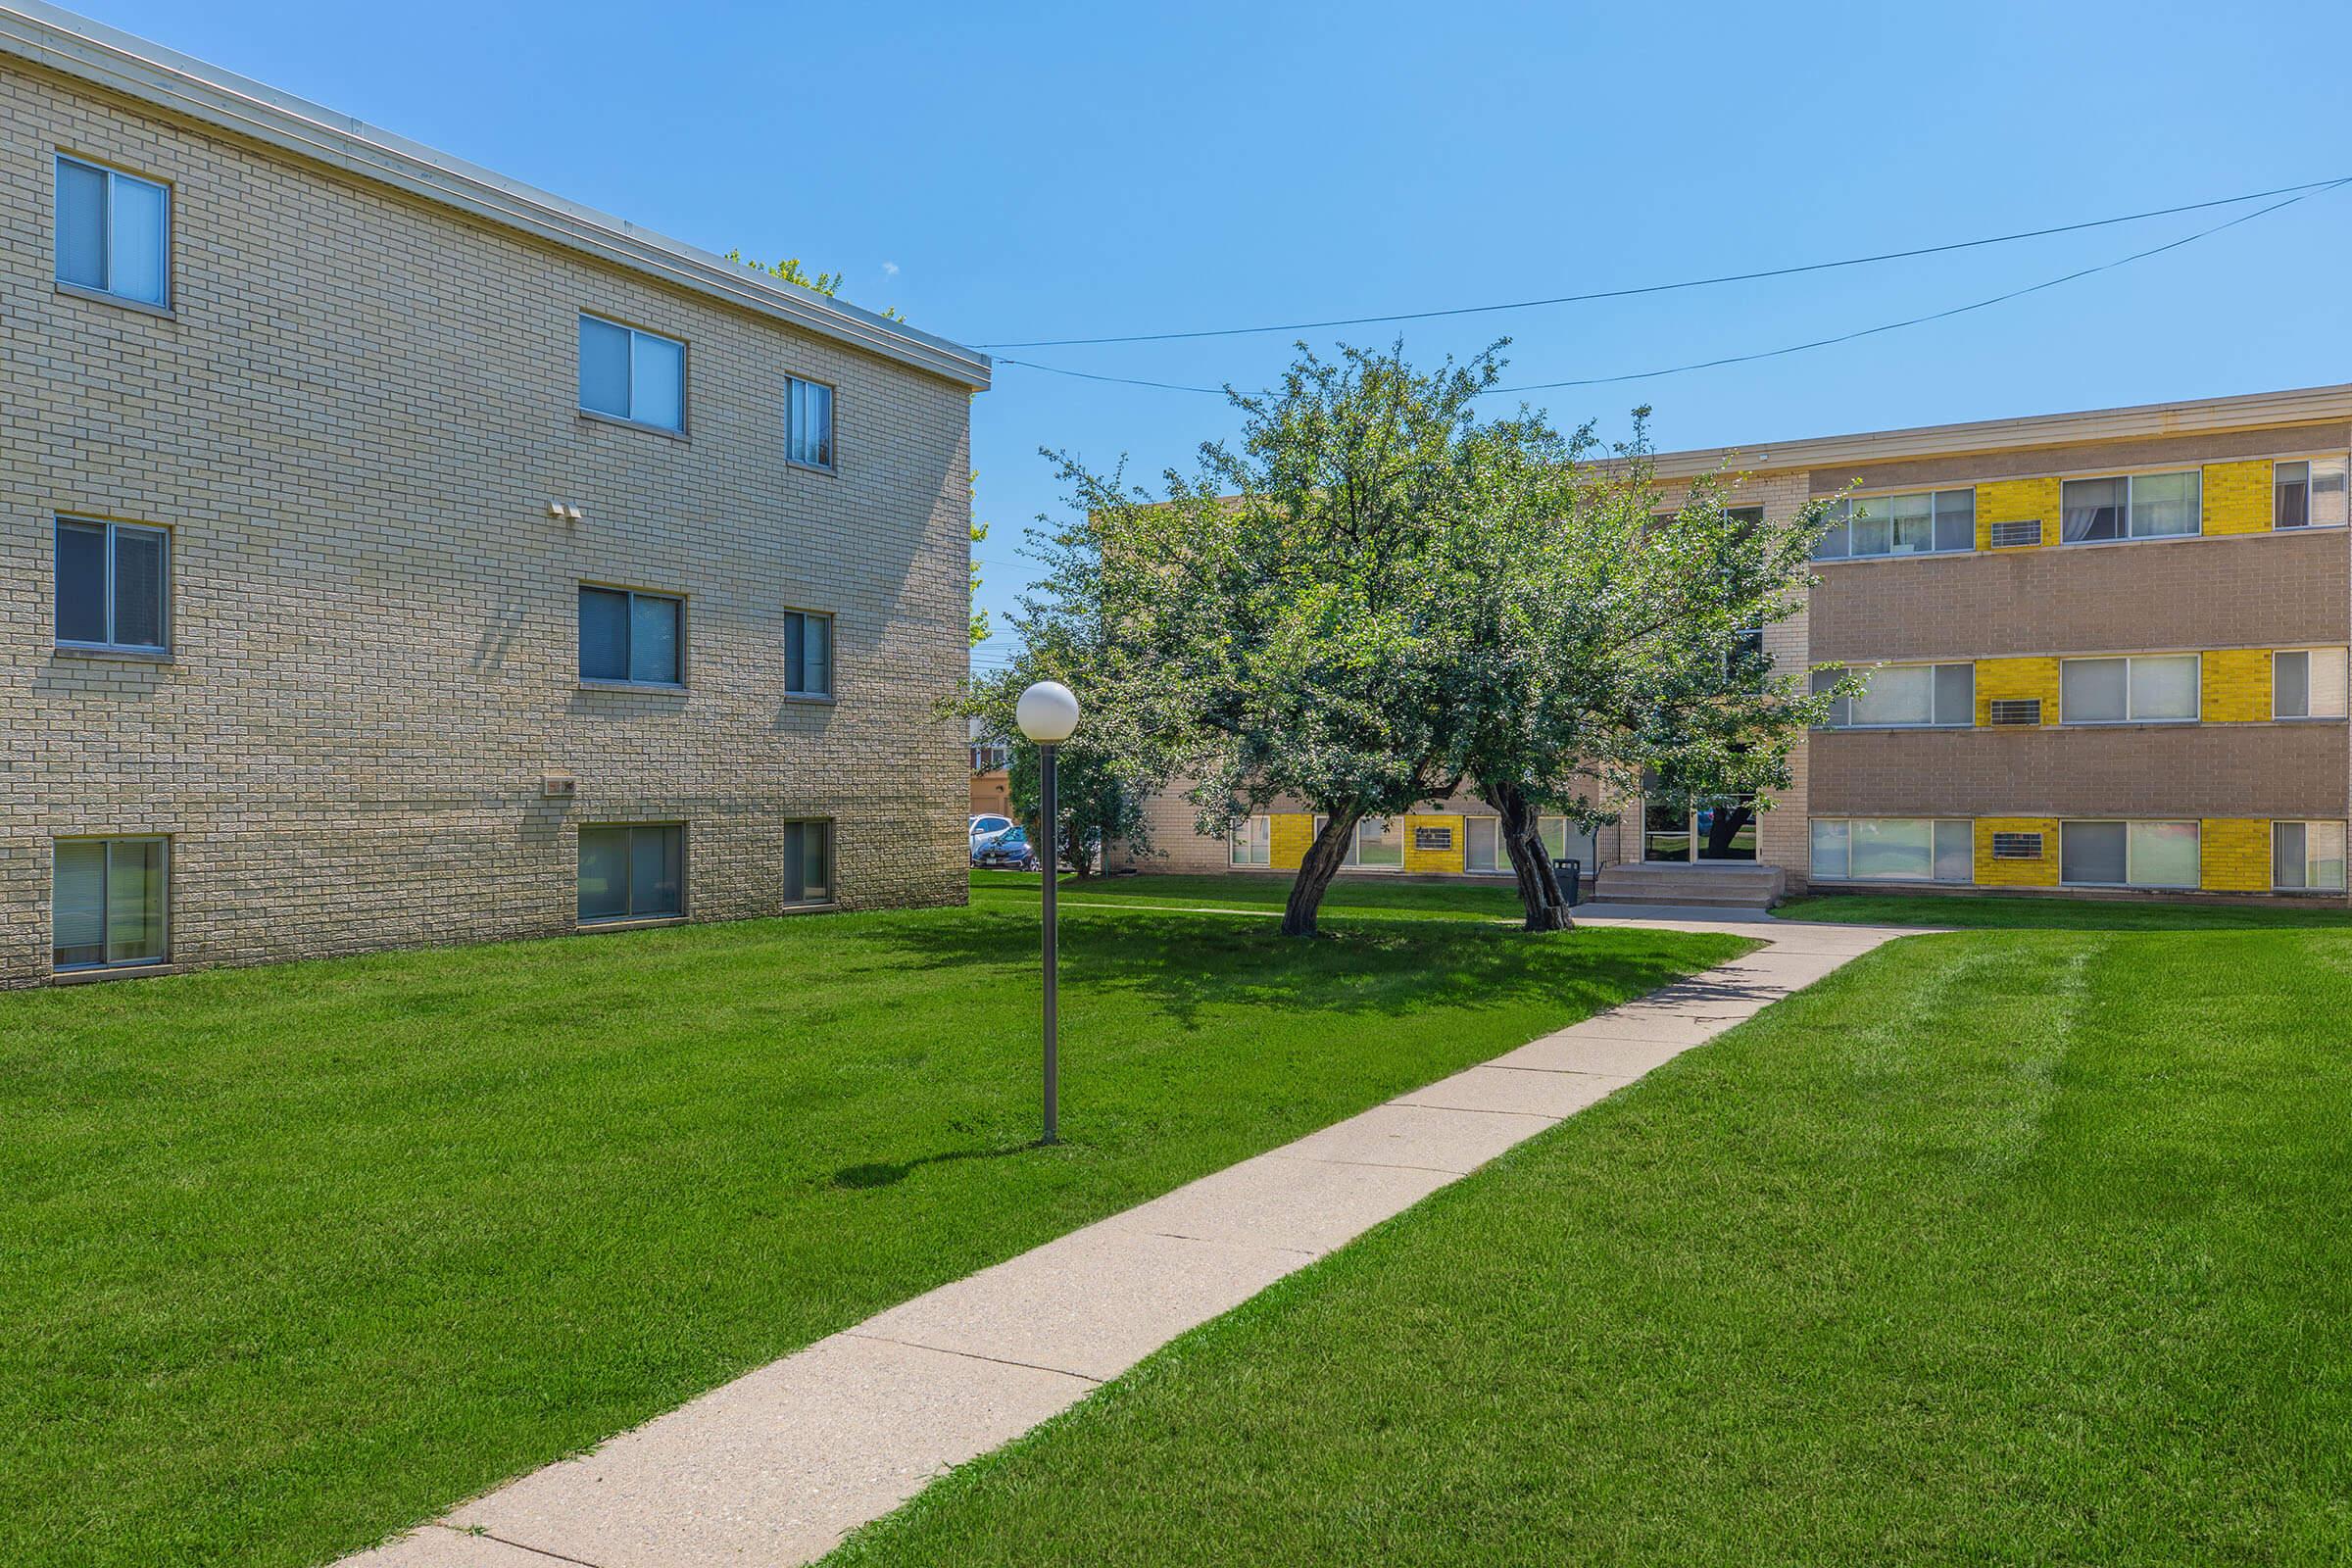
(1008, 851)
(987, 826)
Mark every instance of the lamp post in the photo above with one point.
(1048, 713)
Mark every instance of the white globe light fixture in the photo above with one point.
(1047, 714)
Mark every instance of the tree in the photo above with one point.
(1073, 626)
(1617, 653)
(1291, 616)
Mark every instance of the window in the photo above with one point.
(1904, 696)
(807, 423)
(1482, 844)
(631, 637)
(632, 375)
(2140, 506)
(112, 585)
(2307, 857)
(2308, 493)
(1893, 850)
(2139, 854)
(108, 902)
(1378, 844)
(114, 233)
(1919, 524)
(633, 872)
(809, 863)
(1252, 842)
(2139, 691)
(807, 654)
(2306, 683)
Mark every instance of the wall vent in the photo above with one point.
(2010, 535)
(2017, 846)
(2016, 710)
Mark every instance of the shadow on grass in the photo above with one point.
(860, 1178)
(1183, 965)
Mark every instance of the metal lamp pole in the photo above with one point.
(1046, 714)
(1053, 822)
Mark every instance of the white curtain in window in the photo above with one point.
(1897, 694)
(2166, 504)
(2163, 854)
(2164, 688)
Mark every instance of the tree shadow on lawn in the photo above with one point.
(1182, 965)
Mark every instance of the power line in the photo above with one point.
(2305, 193)
(1657, 288)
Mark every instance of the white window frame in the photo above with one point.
(2131, 503)
(1252, 834)
(2130, 880)
(1825, 679)
(106, 587)
(1397, 823)
(2344, 680)
(1845, 827)
(105, 901)
(580, 388)
(1502, 856)
(792, 432)
(2131, 693)
(2307, 464)
(106, 240)
(2305, 826)
(1844, 512)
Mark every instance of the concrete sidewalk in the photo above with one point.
(776, 1468)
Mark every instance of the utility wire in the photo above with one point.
(1664, 288)
(2303, 194)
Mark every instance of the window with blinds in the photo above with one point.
(809, 863)
(807, 423)
(807, 654)
(108, 906)
(113, 586)
(631, 637)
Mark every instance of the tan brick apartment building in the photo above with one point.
(395, 554)
(2107, 653)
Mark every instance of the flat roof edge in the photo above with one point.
(136, 68)
(2193, 417)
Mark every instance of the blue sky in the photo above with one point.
(1001, 172)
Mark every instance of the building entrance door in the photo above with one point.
(1720, 829)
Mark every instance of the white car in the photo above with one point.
(987, 828)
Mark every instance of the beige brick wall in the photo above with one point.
(352, 425)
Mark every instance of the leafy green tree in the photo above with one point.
(1291, 618)
(1074, 627)
(1615, 651)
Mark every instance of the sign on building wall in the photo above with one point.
(1432, 838)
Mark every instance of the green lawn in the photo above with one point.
(2061, 914)
(292, 1258)
(1243, 890)
(2002, 1247)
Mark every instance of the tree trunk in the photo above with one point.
(1539, 892)
(1322, 863)
(1073, 849)
(1726, 826)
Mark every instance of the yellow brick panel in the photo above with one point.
(1432, 861)
(2238, 497)
(2017, 501)
(2236, 855)
(1287, 839)
(2041, 873)
(2237, 685)
(2015, 678)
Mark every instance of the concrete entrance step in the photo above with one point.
(1707, 884)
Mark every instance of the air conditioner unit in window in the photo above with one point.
(2017, 846)
(2010, 711)
(2011, 535)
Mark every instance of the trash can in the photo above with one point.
(1571, 875)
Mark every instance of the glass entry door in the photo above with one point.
(1719, 829)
